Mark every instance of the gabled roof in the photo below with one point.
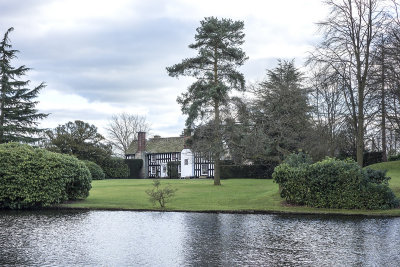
(160, 145)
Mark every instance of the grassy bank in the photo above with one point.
(202, 195)
(393, 168)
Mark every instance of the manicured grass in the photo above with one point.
(202, 195)
(393, 168)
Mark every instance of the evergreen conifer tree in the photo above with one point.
(18, 116)
(281, 110)
(217, 42)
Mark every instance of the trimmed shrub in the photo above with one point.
(254, 171)
(376, 176)
(32, 177)
(80, 184)
(334, 183)
(135, 166)
(95, 170)
(172, 169)
(115, 168)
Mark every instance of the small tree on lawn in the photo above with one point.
(160, 195)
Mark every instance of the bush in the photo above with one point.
(95, 170)
(80, 184)
(115, 168)
(334, 183)
(135, 166)
(160, 195)
(376, 176)
(298, 159)
(256, 171)
(33, 177)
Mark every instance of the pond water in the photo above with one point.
(127, 238)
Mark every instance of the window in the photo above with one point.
(153, 158)
(153, 170)
(164, 168)
(173, 157)
(179, 168)
(204, 169)
(186, 162)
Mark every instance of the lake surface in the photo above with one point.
(127, 238)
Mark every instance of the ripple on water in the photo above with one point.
(121, 238)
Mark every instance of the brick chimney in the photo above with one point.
(187, 133)
(141, 142)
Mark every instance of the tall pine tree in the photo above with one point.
(18, 116)
(217, 42)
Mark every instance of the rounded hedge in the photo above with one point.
(333, 183)
(95, 170)
(32, 177)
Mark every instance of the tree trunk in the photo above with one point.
(217, 165)
(383, 123)
(217, 155)
(360, 128)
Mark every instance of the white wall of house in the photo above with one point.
(187, 164)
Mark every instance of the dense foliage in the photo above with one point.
(333, 183)
(172, 169)
(18, 115)
(372, 157)
(115, 168)
(255, 171)
(95, 170)
(135, 167)
(33, 177)
(394, 157)
(80, 139)
(273, 123)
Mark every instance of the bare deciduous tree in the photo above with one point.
(349, 35)
(123, 128)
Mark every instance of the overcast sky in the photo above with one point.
(100, 58)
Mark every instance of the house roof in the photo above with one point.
(160, 145)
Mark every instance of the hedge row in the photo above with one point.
(334, 183)
(172, 169)
(135, 166)
(255, 171)
(394, 157)
(33, 177)
(115, 168)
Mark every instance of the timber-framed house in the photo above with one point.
(168, 157)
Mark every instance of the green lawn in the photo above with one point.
(393, 168)
(202, 195)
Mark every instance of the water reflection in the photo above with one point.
(106, 238)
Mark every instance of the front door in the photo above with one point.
(164, 170)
